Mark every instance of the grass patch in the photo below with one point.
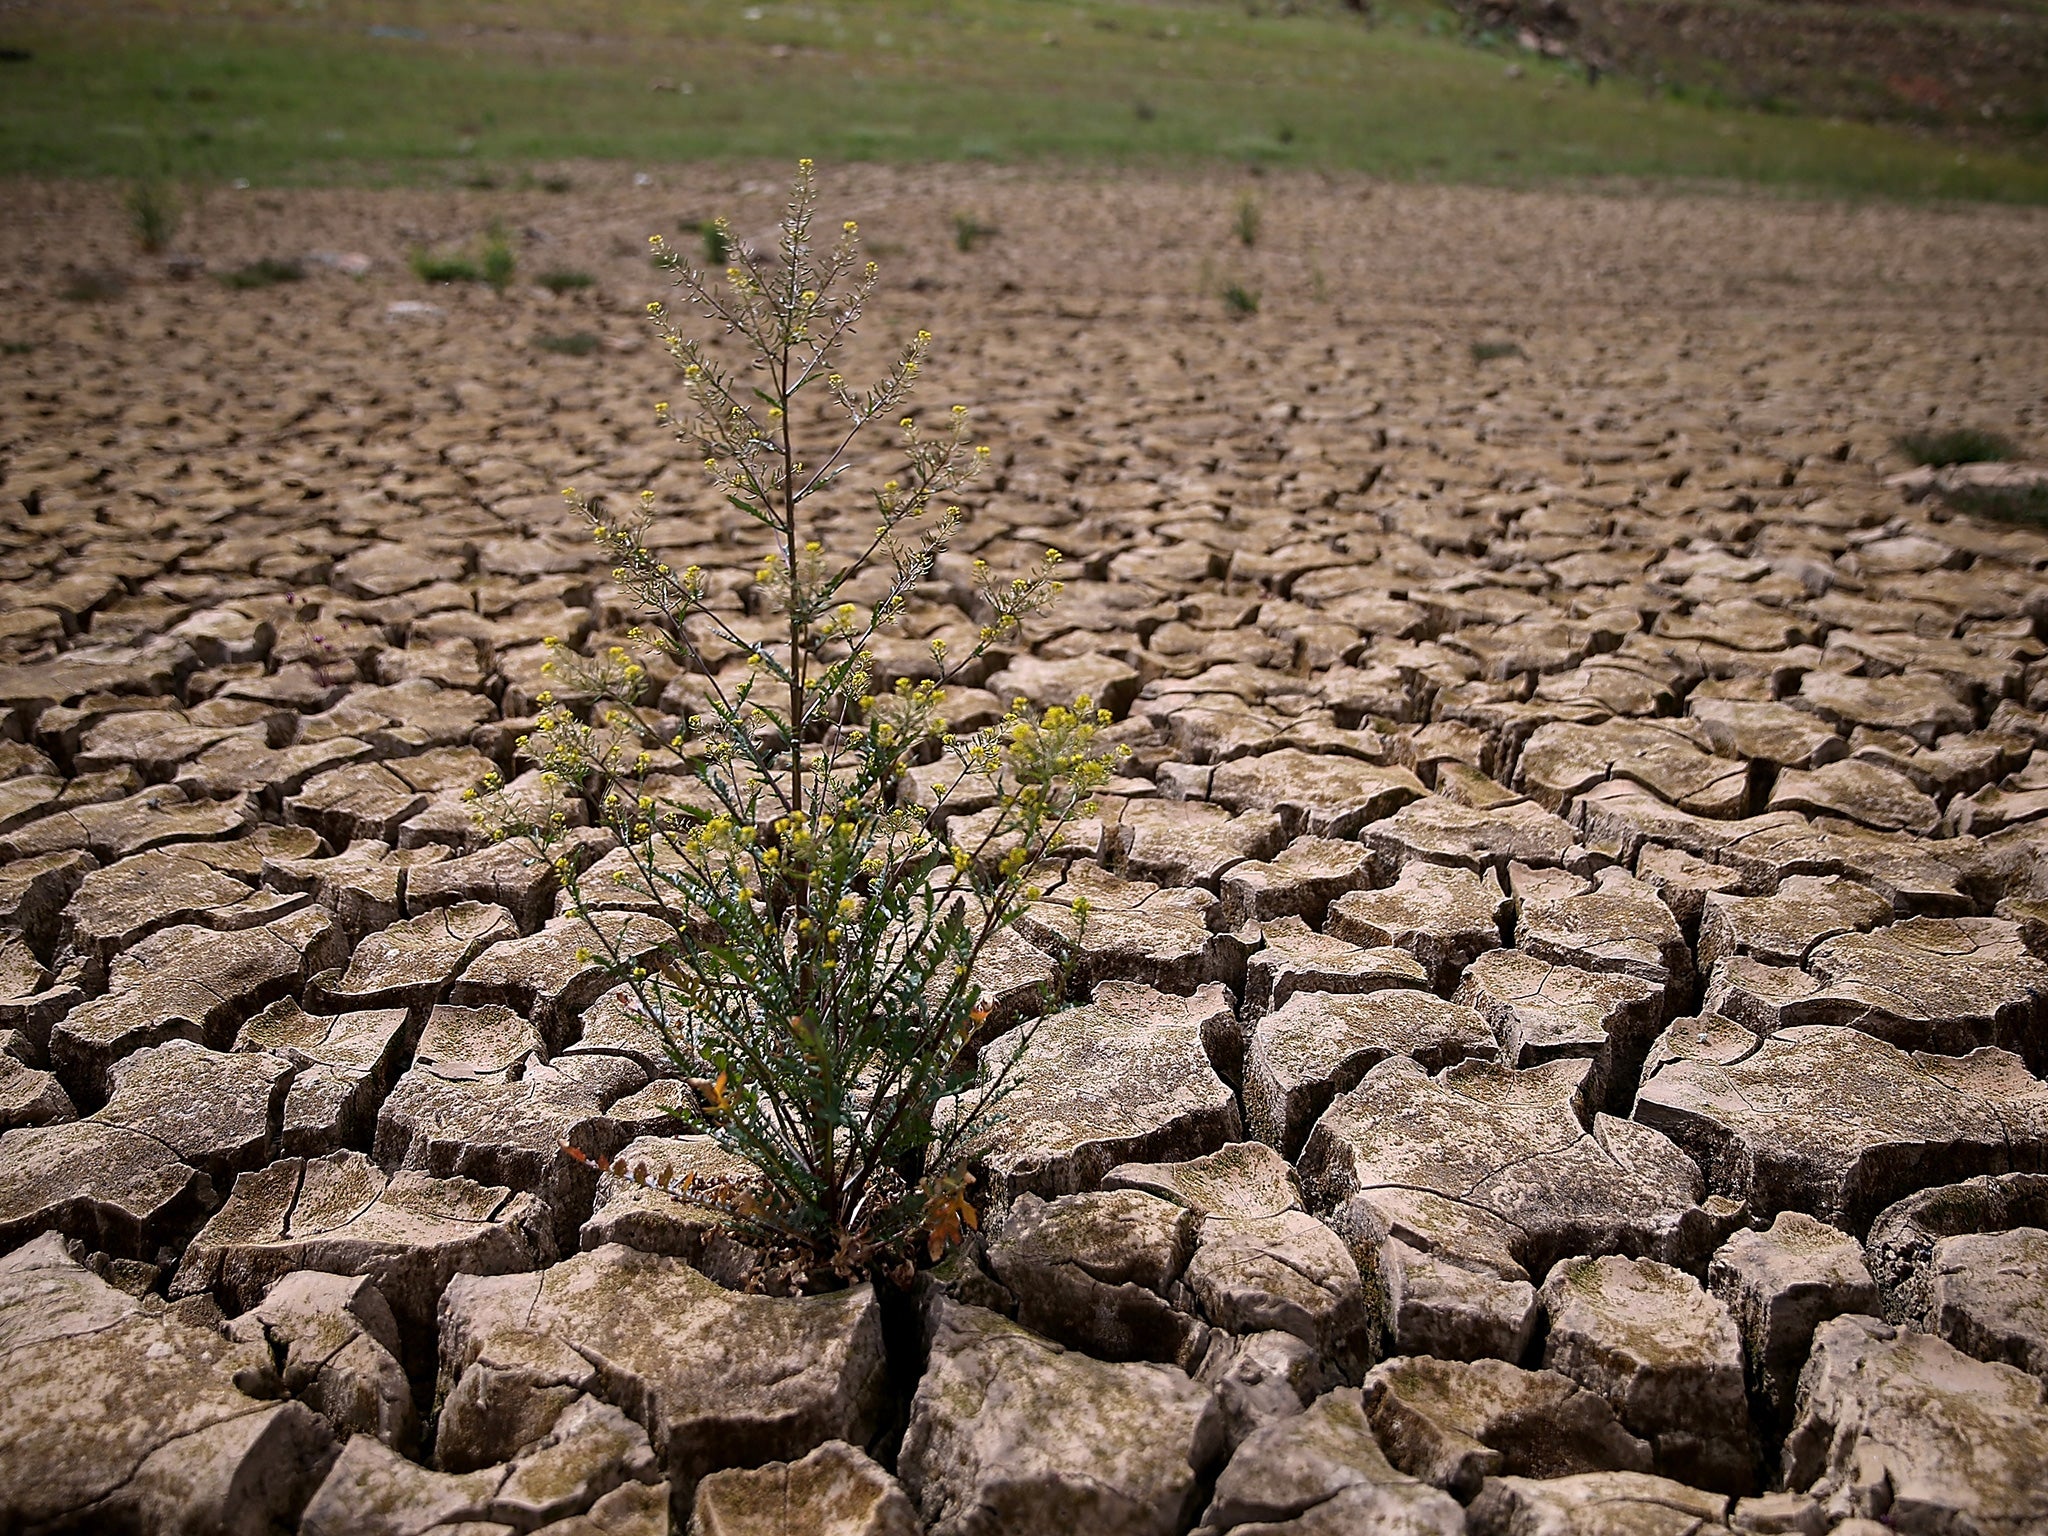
(968, 231)
(1488, 351)
(1250, 220)
(429, 267)
(16, 348)
(153, 214)
(565, 280)
(717, 242)
(1957, 445)
(498, 263)
(259, 93)
(93, 286)
(575, 344)
(265, 272)
(1240, 300)
(2026, 505)
(495, 264)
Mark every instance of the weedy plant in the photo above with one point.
(1250, 220)
(2023, 504)
(498, 262)
(153, 213)
(1943, 446)
(495, 264)
(430, 267)
(968, 231)
(812, 961)
(573, 344)
(1240, 300)
(716, 236)
(264, 272)
(565, 280)
(1491, 351)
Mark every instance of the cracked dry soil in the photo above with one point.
(1558, 1046)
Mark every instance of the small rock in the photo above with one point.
(1009, 1431)
(1094, 1272)
(1595, 1504)
(1445, 917)
(717, 1379)
(1124, 1078)
(1664, 1354)
(1454, 1424)
(1780, 1285)
(835, 1491)
(1322, 1470)
(336, 1344)
(1905, 1427)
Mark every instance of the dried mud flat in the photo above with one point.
(1558, 1047)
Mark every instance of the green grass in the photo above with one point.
(1957, 445)
(2026, 505)
(1240, 300)
(969, 231)
(281, 92)
(565, 280)
(1489, 351)
(93, 286)
(576, 344)
(429, 267)
(266, 272)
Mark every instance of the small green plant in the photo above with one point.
(968, 231)
(265, 272)
(809, 943)
(91, 285)
(1240, 300)
(1489, 351)
(1957, 445)
(2026, 505)
(1250, 220)
(430, 267)
(557, 184)
(565, 280)
(153, 213)
(498, 263)
(575, 344)
(16, 348)
(716, 235)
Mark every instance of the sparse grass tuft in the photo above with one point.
(968, 231)
(1250, 220)
(93, 286)
(1240, 300)
(1957, 445)
(153, 214)
(16, 348)
(498, 261)
(266, 272)
(575, 344)
(565, 280)
(718, 242)
(1488, 351)
(495, 265)
(557, 184)
(2026, 505)
(431, 268)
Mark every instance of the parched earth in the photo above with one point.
(1558, 1047)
